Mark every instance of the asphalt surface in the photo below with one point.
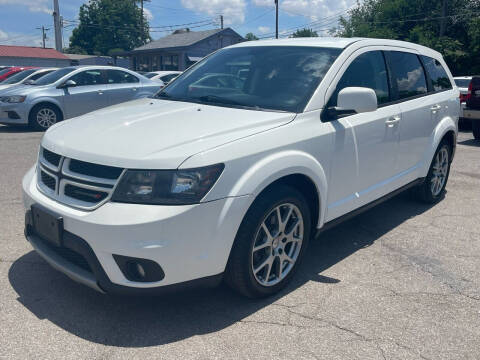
(401, 281)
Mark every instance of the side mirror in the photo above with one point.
(358, 99)
(67, 84)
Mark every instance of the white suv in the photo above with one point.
(230, 180)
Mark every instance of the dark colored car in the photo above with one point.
(473, 105)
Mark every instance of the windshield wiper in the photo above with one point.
(218, 100)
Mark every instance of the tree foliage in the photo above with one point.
(109, 25)
(420, 21)
(250, 36)
(304, 33)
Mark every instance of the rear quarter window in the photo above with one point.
(437, 74)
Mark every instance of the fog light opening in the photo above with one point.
(137, 270)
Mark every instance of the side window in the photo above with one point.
(88, 77)
(407, 74)
(437, 74)
(168, 78)
(39, 75)
(367, 70)
(120, 77)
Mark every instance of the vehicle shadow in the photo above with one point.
(149, 321)
(16, 129)
(470, 142)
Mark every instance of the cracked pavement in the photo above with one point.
(400, 281)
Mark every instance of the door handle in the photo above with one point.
(100, 92)
(134, 89)
(435, 108)
(391, 122)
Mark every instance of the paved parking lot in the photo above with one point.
(401, 281)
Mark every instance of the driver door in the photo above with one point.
(88, 95)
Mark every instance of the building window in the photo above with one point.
(144, 63)
(157, 63)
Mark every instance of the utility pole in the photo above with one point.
(221, 21)
(44, 36)
(276, 19)
(58, 26)
(443, 20)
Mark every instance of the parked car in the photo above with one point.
(25, 76)
(462, 83)
(163, 77)
(185, 190)
(12, 70)
(472, 106)
(70, 92)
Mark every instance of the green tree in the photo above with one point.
(454, 30)
(250, 36)
(304, 33)
(109, 24)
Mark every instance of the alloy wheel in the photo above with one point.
(46, 117)
(440, 171)
(277, 244)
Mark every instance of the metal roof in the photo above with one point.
(181, 39)
(30, 52)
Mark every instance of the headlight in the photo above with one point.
(166, 187)
(13, 99)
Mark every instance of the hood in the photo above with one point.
(155, 134)
(20, 89)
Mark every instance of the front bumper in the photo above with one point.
(189, 242)
(20, 109)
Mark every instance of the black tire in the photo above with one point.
(239, 273)
(476, 129)
(424, 191)
(33, 118)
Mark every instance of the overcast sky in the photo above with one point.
(20, 18)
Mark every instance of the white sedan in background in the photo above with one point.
(163, 77)
(25, 76)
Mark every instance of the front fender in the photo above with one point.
(272, 167)
(47, 99)
(445, 125)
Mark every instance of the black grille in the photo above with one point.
(99, 171)
(51, 157)
(82, 194)
(48, 180)
(69, 255)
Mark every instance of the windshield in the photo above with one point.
(149, 75)
(463, 83)
(279, 78)
(19, 76)
(53, 76)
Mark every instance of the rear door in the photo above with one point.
(89, 94)
(421, 110)
(121, 86)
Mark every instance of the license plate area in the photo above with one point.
(47, 225)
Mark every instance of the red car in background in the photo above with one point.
(6, 73)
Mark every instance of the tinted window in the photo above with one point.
(278, 78)
(39, 75)
(168, 78)
(88, 77)
(407, 74)
(19, 76)
(437, 73)
(53, 76)
(367, 70)
(120, 77)
(463, 83)
(150, 75)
